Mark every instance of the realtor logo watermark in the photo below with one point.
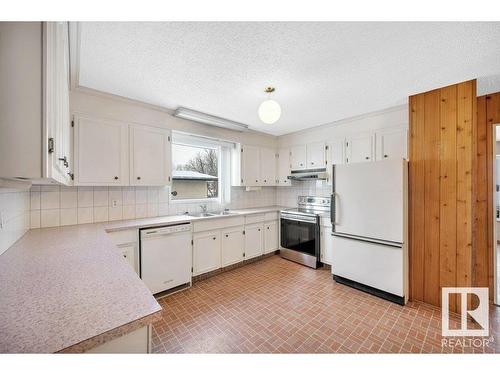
(479, 314)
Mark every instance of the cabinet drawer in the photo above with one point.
(250, 219)
(213, 224)
(123, 236)
(268, 216)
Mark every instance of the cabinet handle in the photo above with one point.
(256, 180)
(213, 238)
(259, 229)
(265, 180)
(65, 161)
(138, 177)
(312, 163)
(227, 235)
(116, 177)
(385, 155)
(367, 157)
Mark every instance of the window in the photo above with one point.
(200, 168)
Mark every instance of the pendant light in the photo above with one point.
(269, 110)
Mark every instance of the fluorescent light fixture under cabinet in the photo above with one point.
(207, 119)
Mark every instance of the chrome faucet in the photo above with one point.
(203, 208)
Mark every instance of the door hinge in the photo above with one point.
(192, 242)
(72, 123)
(242, 149)
(347, 144)
(169, 179)
(51, 145)
(241, 180)
(244, 254)
(326, 147)
(192, 269)
(244, 232)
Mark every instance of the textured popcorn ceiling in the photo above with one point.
(322, 71)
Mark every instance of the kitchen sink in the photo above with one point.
(211, 214)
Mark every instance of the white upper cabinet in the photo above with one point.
(315, 155)
(250, 165)
(101, 152)
(283, 167)
(150, 156)
(360, 148)
(392, 143)
(298, 157)
(334, 155)
(267, 166)
(35, 124)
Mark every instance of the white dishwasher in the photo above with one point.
(165, 256)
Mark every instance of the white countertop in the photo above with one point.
(61, 286)
(176, 219)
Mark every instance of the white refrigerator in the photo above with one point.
(369, 227)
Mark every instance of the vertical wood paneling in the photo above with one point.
(416, 196)
(481, 261)
(448, 192)
(442, 194)
(466, 94)
(431, 191)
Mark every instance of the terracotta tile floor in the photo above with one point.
(277, 306)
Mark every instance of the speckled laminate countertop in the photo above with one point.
(168, 220)
(63, 286)
(68, 289)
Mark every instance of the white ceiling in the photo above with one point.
(322, 72)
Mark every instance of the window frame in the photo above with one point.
(224, 176)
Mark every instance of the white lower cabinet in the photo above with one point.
(326, 245)
(254, 240)
(128, 251)
(271, 236)
(127, 243)
(206, 252)
(137, 342)
(233, 245)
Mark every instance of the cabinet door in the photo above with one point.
(267, 167)
(284, 167)
(392, 143)
(326, 245)
(101, 152)
(206, 252)
(57, 116)
(270, 236)
(359, 148)
(129, 251)
(250, 160)
(150, 157)
(254, 240)
(334, 155)
(298, 157)
(233, 245)
(315, 155)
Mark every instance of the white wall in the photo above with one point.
(391, 117)
(122, 109)
(14, 208)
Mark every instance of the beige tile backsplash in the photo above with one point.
(60, 205)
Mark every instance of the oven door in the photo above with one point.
(300, 233)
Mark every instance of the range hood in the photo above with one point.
(308, 174)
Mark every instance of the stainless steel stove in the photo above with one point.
(300, 230)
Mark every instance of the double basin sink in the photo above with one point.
(212, 214)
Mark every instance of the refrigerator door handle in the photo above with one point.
(335, 211)
(366, 239)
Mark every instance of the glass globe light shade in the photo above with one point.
(269, 111)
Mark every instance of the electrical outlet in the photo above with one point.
(114, 203)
